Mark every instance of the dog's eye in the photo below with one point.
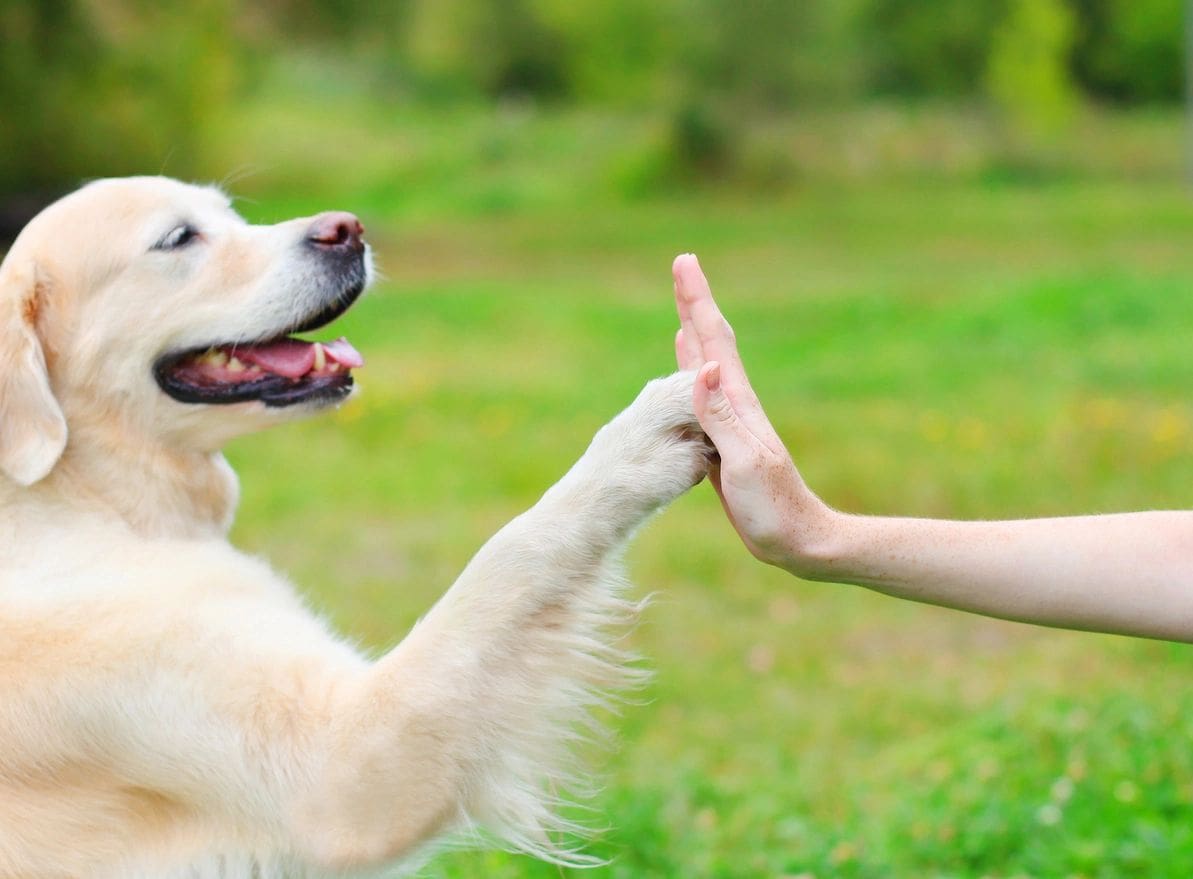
(178, 237)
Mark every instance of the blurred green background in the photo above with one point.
(954, 239)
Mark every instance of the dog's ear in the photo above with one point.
(32, 427)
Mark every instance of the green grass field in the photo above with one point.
(949, 347)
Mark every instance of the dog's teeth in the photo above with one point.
(335, 367)
(320, 358)
(234, 365)
(254, 367)
(217, 358)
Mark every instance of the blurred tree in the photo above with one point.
(94, 87)
(616, 51)
(496, 48)
(1027, 74)
(118, 87)
(1129, 51)
(915, 48)
(325, 21)
(46, 49)
(771, 53)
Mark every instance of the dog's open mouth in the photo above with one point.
(280, 372)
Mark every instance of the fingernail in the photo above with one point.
(712, 378)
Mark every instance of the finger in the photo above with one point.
(716, 414)
(736, 446)
(716, 341)
(685, 356)
(698, 311)
(692, 354)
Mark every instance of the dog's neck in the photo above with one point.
(157, 491)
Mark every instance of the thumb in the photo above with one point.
(715, 413)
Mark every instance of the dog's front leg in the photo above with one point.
(468, 720)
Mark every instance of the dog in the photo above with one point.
(168, 706)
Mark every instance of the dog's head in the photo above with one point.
(151, 304)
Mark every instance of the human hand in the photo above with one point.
(777, 516)
(1127, 573)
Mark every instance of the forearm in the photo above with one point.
(1128, 573)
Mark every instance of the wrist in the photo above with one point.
(817, 547)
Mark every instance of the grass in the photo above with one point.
(966, 346)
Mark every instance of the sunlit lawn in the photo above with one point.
(958, 349)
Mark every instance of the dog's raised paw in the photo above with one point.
(657, 443)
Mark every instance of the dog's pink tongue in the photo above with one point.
(288, 357)
(293, 358)
(342, 352)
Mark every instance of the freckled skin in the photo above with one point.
(1129, 573)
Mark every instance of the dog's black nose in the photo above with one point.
(337, 230)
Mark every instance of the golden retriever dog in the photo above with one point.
(168, 706)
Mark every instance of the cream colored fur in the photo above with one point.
(168, 706)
